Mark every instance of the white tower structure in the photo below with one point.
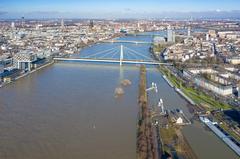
(121, 54)
(170, 34)
(62, 24)
(138, 25)
(13, 25)
(189, 31)
(207, 37)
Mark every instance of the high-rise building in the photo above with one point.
(23, 60)
(138, 25)
(189, 31)
(207, 37)
(174, 37)
(37, 27)
(23, 21)
(13, 25)
(91, 24)
(170, 34)
(62, 24)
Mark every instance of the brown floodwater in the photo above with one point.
(69, 111)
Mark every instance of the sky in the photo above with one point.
(113, 8)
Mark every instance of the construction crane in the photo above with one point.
(153, 87)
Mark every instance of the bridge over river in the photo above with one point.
(100, 57)
(126, 41)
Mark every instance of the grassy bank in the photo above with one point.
(197, 96)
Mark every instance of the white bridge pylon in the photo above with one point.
(121, 54)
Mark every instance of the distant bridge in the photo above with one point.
(152, 35)
(145, 34)
(126, 41)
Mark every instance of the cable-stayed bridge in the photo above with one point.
(120, 55)
(126, 41)
(144, 34)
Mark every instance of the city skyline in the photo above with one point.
(119, 9)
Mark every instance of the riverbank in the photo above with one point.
(146, 140)
(231, 142)
(28, 73)
(196, 96)
(36, 69)
(174, 143)
(168, 138)
(179, 91)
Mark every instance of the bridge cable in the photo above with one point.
(109, 53)
(117, 52)
(101, 52)
(133, 55)
(139, 54)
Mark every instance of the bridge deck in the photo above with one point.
(111, 61)
(126, 41)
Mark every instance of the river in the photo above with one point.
(68, 111)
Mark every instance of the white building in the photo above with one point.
(189, 31)
(233, 60)
(179, 121)
(170, 35)
(23, 60)
(220, 89)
